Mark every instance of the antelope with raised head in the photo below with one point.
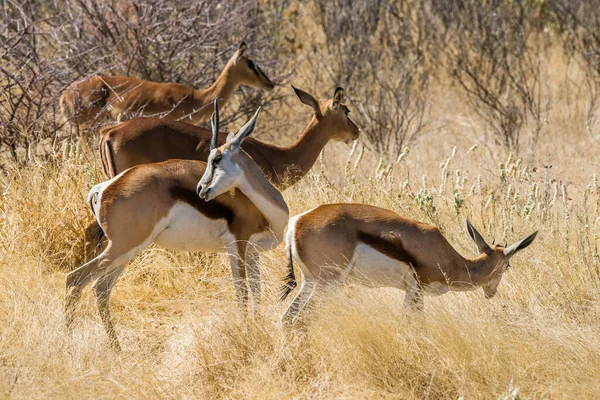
(379, 248)
(168, 203)
(149, 140)
(124, 97)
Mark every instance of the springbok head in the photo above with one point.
(226, 164)
(497, 256)
(247, 72)
(332, 113)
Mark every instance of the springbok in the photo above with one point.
(225, 205)
(149, 140)
(123, 97)
(379, 248)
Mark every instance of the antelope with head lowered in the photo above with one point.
(168, 203)
(123, 97)
(379, 248)
(149, 140)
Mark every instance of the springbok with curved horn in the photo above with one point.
(149, 140)
(159, 203)
(379, 248)
(123, 97)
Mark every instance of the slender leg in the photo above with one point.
(76, 281)
(102, 289)
(253, 266)
(236, 251)
(414, 298)
(104, 269)
(304, 294)
(93, 239)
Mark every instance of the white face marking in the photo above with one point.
(221, 176)
(374, 269)
(188, 230)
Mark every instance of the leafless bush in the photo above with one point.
(579, 23)
(377, 49)
(45, 45)
(493, 53)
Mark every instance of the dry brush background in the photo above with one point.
(467, 108)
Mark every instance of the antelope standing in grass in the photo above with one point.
(225, 205)
(123, 97)
(148, 140)
(379, 248)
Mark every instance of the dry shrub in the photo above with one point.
(362, 41)
(495, 52)
(47, 45)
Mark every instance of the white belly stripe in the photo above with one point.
(189, 230)
(375, 269)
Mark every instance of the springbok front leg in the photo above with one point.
(253, 267)
(237, 252)
(414, 297)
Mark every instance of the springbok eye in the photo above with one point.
(346, 110)
(216, 159)
(250, 64)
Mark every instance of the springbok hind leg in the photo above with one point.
(75, 282)
(93, 239)
(102, 289)
(304, 294)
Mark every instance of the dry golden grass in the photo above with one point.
(184, 336)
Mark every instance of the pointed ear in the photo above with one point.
(338, 97)
(482, 246)
(308, 100)
(245, 130)
(520, 245)
(241, 49)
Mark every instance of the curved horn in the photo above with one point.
(246, 130)
(214, 123)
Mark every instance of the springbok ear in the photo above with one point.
(338, 97)
(520, 245)
(241, 49)
(307, 99)
(245, 130)
(482, 246)
(214, 123)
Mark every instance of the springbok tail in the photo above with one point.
(290, 278)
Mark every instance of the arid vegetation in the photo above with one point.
(467, 108)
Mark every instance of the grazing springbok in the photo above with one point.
(149, 140)
(379, 248)
(123, 97)
(225, 205)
